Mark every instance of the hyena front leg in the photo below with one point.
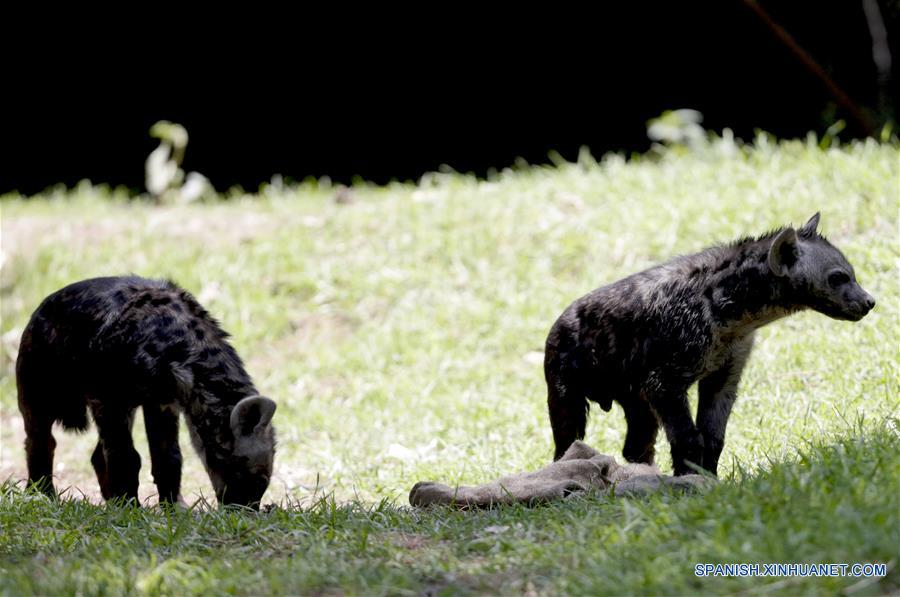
(115, 460)
(717, 393)
(668, 398)
(165, 453)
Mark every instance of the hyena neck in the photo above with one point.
(219, 382)
(742, 292)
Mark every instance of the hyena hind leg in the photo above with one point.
(568, 408)
(35, 397)
(123, 463)
(669, 401)
(643, 427)
(40, 446)
(98, 460)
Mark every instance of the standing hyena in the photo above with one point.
(114, 344)
(643, 341)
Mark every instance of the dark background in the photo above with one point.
(321, 96)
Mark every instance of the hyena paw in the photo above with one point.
(687, 453)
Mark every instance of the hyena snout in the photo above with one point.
(868, 302)
(242, 478)
(243, 490)
(840, 296)
(856, 303)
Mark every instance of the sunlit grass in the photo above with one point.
(401, 335)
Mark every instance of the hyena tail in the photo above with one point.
(44, 389)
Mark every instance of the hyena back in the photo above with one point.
(119, 343)
(644, 340)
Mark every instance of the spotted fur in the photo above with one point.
(644, 340)
(111, 345)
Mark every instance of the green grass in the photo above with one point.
(401, 336)
(836, 503)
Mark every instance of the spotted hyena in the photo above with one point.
(644, 340)
(114, 344)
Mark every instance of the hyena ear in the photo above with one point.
(252, 415)
(783, 252)
(809, 229)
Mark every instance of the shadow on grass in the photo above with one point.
(837, 502)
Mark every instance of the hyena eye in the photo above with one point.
(836, 279)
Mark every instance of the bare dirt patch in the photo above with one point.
(74, 477)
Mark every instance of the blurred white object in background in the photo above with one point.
(163, 174)
(159, 170)
(195, 186)
(677, 126)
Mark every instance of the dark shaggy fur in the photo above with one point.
(114, 344)
(643, 341)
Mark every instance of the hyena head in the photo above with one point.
(819, 275)
(242, 477)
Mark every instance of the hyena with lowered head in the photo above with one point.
(114, 344)
(644, 340)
